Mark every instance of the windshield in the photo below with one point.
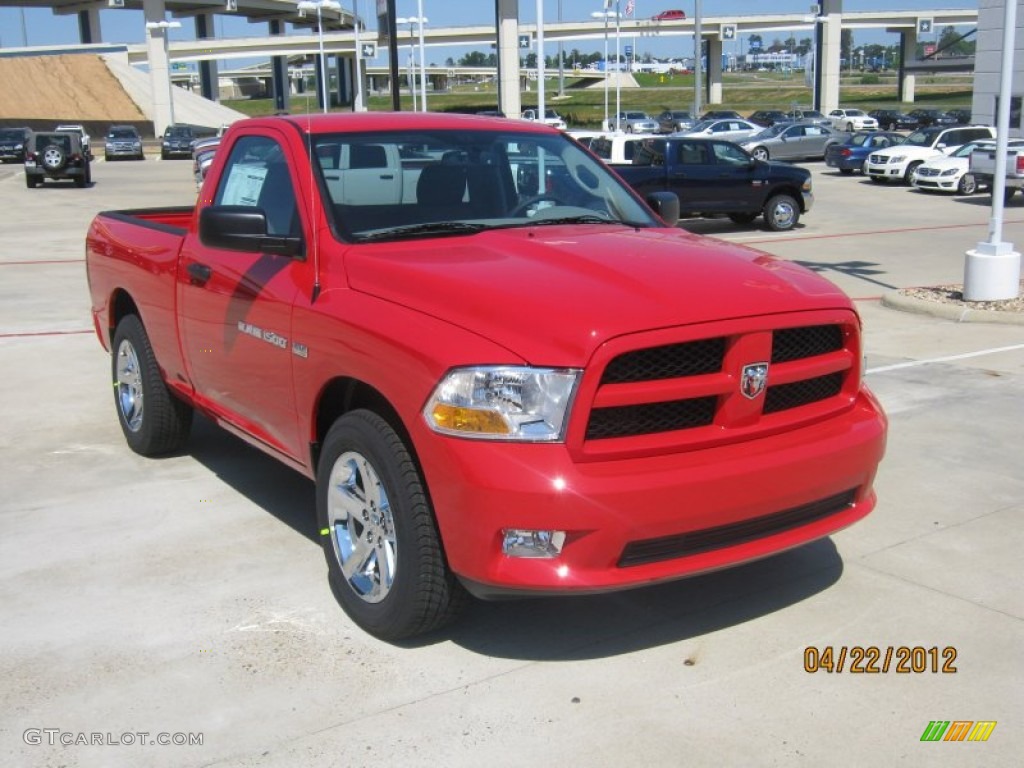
(179, 132)
(703, 125)
(122, 133)
(966, 149)
(920, 138)
(10, 133)
(393, 185)
(772, 131)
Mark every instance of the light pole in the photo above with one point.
(413, 21)
(164, 25)
(357, 106)
(423, 57)
(608, 15)
(318, 6)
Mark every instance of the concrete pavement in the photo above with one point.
(188, 595)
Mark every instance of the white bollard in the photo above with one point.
(992, 272)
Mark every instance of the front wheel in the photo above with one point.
(908, 175)
(968, 184)
(760, 153)
(781, 213)
(153, 420)
(385, 561)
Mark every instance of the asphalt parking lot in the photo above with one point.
(187, 596)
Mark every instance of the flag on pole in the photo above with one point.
(630, 5)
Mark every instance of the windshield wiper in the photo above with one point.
(584, 219)
(415, 230)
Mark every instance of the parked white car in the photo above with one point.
(727, 129)
(952, 173)
(551, 118)
(851, 120)
(898, 163)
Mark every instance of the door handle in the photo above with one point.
(199, 274)
(387, 176)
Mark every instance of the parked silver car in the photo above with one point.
(791, 141)
(634, 122)
(730, 130)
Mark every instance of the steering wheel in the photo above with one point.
(523, 207)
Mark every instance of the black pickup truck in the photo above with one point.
(712, 178)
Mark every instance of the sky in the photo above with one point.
(42, 27)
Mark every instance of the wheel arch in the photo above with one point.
(787, 189)
(121, 305)
(344, 394)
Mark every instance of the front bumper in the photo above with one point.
(887, 170)
(620, 514)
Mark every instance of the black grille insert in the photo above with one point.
(691, 358)
(786, 396)
(799, 343)
(628, 420)
(695, 542)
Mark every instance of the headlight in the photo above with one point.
(503, 403)
(950, 172)
(897, 159)
(806, 186)
(19, 146)
(167, 143)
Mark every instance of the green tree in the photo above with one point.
(473, 59)
(951, 43)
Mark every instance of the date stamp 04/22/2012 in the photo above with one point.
(874, 659)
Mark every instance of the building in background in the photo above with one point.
(987, 65)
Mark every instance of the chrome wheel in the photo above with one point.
(129, 386)
(781, 213)
(968, 185)
(760, 153)
(361, 527)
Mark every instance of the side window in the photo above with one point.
(256, 175)
(730, 154)
(691, 153)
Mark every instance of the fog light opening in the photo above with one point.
(520, 542)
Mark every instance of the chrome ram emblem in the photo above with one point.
(753, 379)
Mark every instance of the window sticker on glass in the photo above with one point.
(244, 185)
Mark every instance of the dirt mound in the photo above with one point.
(72, 88)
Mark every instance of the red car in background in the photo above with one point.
(669, 16)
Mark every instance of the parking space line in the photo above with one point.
(868, 233)
(42, 261)
(30, 334)
(946, 359)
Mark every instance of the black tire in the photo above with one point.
(781, 213)
(108, 158)
(163, 155)
(968, 184)
(81, 181)
(53, 158)
(877, 179)
(399, 585)
(909, 173)
(31, 181)
(1008, 193)
(153, 420)
(846, 171)
(742, 218)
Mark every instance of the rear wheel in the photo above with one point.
(1008, 193)
(152, 419)
(781, 213)
(846, 171)
(31, 181)
(384, 556)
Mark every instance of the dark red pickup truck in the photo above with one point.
(506, 374)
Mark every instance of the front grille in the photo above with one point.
(628, 420)
(879, 159)
(927, 172)
(695, 542)
(667, 362)
(694, 388)
(786, 396)
(798, 343)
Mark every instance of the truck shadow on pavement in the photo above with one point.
(553, 628)
(860, 270)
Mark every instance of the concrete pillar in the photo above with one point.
(346, 77)
(209, 79)
(89, 26)
(908, 52)
(509, 97)
(279, 68)
(714, 71)
(830, 61)
(319, 82)
(159, 72)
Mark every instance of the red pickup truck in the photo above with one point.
(505, 372)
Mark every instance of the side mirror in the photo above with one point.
(666, 205)
(243, 228)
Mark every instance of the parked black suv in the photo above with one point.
(123, 141)
(56, 155)
(12, 144)
(893, 120)
(177, 142)
(768, 117)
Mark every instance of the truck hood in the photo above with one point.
(553, 294)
